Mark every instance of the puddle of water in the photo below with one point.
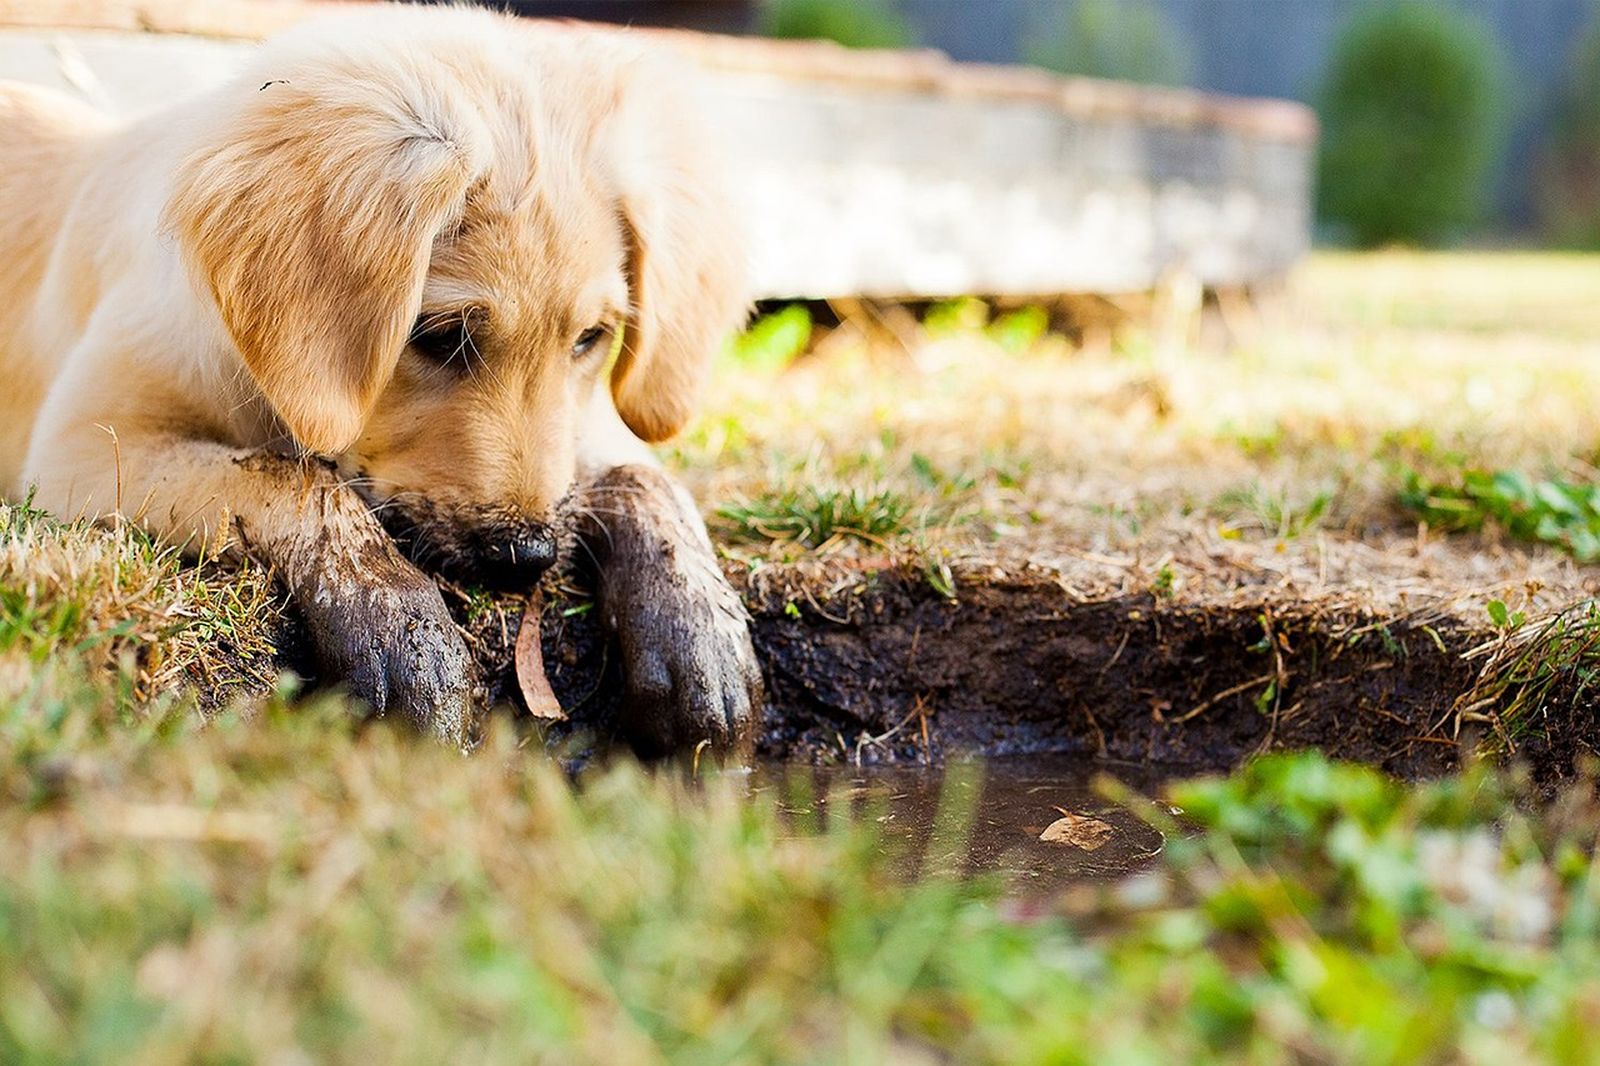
(1012, 801)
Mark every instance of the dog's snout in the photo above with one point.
(494, 551)
(516, 559)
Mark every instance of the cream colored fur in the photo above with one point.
(239, 275)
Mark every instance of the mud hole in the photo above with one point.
(985, 819)
(878, 687)
(871, 666)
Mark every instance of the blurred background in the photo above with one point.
(1443, 120)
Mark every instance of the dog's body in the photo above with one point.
(374, 283)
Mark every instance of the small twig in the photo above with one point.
(918, 710)
(1099, 734)
(1126, 633)
(1233, 690)
(832, 618)
(116, 459)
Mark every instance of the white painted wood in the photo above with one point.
(910, 176)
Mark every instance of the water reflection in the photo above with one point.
(1010, 802)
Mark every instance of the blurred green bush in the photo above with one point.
(1568, 177)
(854, 23)
(1130, 40)
(1413, 114)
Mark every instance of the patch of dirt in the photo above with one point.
(1018, 666)
(869, 663)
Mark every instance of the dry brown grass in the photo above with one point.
(1272, 456)
(104, 597)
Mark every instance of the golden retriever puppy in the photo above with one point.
(412, 288)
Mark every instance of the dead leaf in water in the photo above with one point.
(536, 691)
(1079, 830)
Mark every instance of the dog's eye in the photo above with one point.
(443, 340)
(588, 340)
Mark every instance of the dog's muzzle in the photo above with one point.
(491, 549)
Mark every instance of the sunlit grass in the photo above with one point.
(1492, 357)
(816, 516)
(103, 594)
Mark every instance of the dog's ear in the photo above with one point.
(310, 214)
(686, 258)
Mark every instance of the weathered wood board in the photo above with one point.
(875, 174)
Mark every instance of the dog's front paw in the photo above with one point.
(690, 672)
(689, 669)
(389, 638)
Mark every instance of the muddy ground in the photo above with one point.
(868, 663)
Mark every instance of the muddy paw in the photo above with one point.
(689, 670)
(392, 643)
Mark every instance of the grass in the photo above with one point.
(819, 506)
(1534, 674)
(295, 887)
(1275, 512)
(816, 516)
(110, 596)
(283, 883)
(1283, 430)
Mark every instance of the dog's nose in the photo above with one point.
(515, 560)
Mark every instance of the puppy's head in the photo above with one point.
(430, 238)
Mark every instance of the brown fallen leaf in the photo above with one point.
(536, 691)
(1079, 830)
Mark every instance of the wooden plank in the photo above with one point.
(863, 174)
(919, 70)
(238, 19)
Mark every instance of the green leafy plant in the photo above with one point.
(1503, 617)
(1014, 331)
(1413, 115)
(1565, 514)
(949, 318)
(1129, 40)
(855, 23)
(1017, 331)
